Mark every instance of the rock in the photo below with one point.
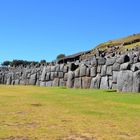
(62, 83)
(55, 82)
(49, 83)
(70, 79)
(86, 82)
(53, 68)
(43, 75)
(83, 69)
(60, 74)
(116, 67)
(125, 66)
(99, 68)
(93, 71)
(110, 61)
(115, 76)
(101, 61)
(123, 59)
(109, 70)
(94, 62)
(77, 73)
(61, 67)
(33, 79)
(52, 75)
(65, 69)
(125, 81)
(136, 81)
(42, 84)
(48, 76)
(95, 82)
(104, 83)
(77, 82)
(103, 71)
(88, 72)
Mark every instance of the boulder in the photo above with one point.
(116, 67)
(104, 82)
(62, 82)
(55, 82)
(49, 83)
(95, 82)
(101, 60)
(43, 75)
(93, 71)
(136, 81)
(60, 74)
(77, 73)
(125, 66)
(125, 81)
(109, 70)
(110, 61)
(103, 71)
(77, 82)
(70, 79)
(86, 82)
(123, 59)
(83, 69)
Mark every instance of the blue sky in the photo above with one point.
(42, 29)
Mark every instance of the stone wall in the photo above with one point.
(121, 72)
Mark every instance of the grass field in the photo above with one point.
(40, 113)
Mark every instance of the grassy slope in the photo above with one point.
(120, 41)
(55, 113)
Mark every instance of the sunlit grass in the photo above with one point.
(58, 113)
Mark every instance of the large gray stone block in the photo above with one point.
(95, 82)
(93, 71)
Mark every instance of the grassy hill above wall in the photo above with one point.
(117, 45)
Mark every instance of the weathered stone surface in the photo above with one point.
(42, 83)
(109, 70)
(48, 76)
(83, 69)
(55, 82)
(61, 67)
(93, 71)
(103, 71)
(101, 61)
(33, 79)
(116, 67)
(94, 62)
(48, 84)
(53, 68)
(77, 72)
(115, 76)
(104, 82)
(88, 72)
(125, 66)
(123, 59)
(62, 83)
(70, 79)
(136, 81)
(86, 82)
(77, 82)
(60, 74)
(95, 82)
(125, 81)
(110, 61)
(43, 75)
(99, 68)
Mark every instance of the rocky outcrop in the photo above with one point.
(120, 72)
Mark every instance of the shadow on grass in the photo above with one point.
(111, 90)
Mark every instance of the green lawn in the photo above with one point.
(40, 113)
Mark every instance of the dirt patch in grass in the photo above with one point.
(78, 137)
(15, 138)
(36, 104)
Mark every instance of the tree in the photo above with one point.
(6, 63)
(43, 62)
(60, 56)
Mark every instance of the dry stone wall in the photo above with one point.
(121, 72)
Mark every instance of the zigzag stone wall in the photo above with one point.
(121, 72)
